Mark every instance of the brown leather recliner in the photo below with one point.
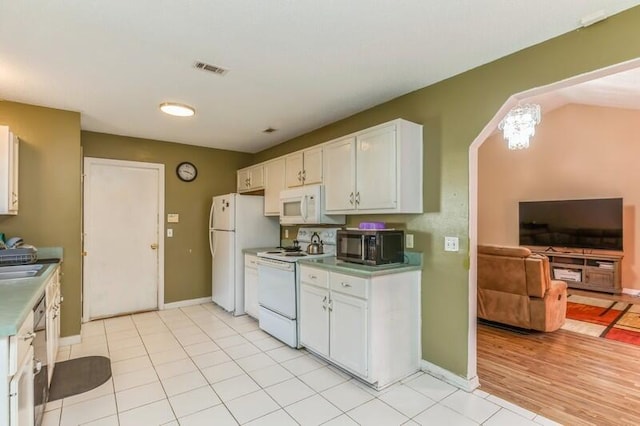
(515, 288)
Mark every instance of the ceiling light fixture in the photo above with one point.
(519, 125)
(178, 110)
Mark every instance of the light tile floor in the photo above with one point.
(200, 366)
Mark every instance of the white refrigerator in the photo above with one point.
(236, 222)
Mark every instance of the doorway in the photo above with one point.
(123, 257)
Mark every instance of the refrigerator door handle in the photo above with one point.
(213, 204)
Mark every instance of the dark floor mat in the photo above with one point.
(78, 375)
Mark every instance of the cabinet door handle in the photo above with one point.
(29, 336)
(313, 277)
(345, 284)
(324, 303)
(304, 175)
(330, 305)
(299, 175)
(358, 197)
(351, 198)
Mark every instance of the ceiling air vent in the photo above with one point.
(211, 68)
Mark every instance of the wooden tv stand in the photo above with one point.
(598, 272)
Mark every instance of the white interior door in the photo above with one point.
(123, 235)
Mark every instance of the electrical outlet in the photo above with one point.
(169, 233)
(409, 240)
(450, 243)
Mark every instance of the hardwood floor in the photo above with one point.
(571, 378)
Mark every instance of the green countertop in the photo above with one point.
(414, 263)
(18, 296)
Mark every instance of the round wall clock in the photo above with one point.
(186, 171)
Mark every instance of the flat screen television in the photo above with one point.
(585, 224)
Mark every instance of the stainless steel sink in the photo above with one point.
(20, 271)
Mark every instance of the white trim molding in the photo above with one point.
(185, 303)
(447, 376)
(631, 292)
(70, 340)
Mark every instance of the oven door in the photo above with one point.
(277, 286)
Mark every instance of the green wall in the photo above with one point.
(187, 270)
(49, 190)
(453, 113)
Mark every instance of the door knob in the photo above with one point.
(154, 246)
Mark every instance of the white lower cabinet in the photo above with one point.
(367, 326)
(348, 341)
(16, 369)
(54, 299)
(314, 318)
(251, 306)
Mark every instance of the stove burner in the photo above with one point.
(292, 248)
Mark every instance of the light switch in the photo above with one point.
(408, 241)
(169, 232)
(450, 243)
(173, 218)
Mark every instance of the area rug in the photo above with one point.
(78, 375)
(603, 318)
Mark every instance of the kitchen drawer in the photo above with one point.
(318, 277)
(20, 343)
(347, 284)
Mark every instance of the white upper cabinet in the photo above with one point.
(340, 174)
(304, 167)
(274, 182)
(9, 159)
(251, 178)
(377, 170)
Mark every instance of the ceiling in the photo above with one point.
(294, 65)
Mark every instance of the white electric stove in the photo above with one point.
(277, 283)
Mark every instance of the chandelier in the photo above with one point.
(520, 124)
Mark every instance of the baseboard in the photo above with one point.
(631, 292)
(449, 377)
(185, 303)
(70, 340)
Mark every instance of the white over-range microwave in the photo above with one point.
(305, 205)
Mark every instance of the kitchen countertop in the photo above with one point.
(18, 296)
(332, 264)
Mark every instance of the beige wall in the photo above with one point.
(49, 186)
(578, 152)
(187, 271)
